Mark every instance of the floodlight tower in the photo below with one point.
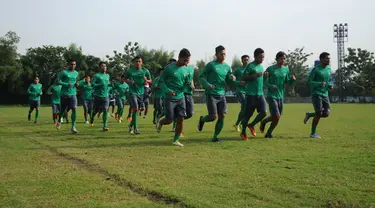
(340, 36)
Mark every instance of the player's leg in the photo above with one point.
(249, 111)
(37, 106)
(54, 109)
(211, 102)
(133, 101)
(146, 108)
(261, 108)
(275, 116)
(169, 108)
(85, 110)
(180, 113)
(64, 106)
(221, 110)
(105, 106)
(273, 107)
(242, 100)
(155, 112)
(189, 102)
(73, 106)
(31, 109)
(130, 113)
(95, 110)
(318, 106)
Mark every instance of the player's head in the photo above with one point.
(122, 78)
(103, 67)
(72, 64)
(36, 79)
(87, 78)
(280, 58)
(325, 59)
(220, 53)
(258, 55)
(245, 59)
(159, 71)
(183, 57)
(172, 60)
(138, 61)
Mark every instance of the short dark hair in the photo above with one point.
(245, 56)
(219, 49)
(36, 76)
(87, 75)
(122, 76)
(172, 60)
(258, 51)
(280, 54)
(323, 55)
(137, 57)
(184, 53)
(71, 60)
(100, 63)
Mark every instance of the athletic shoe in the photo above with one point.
(29, 117)
(130, 129)
(315, 136)
(239, 127)
(61, 120)
(158, 126)
(58, 125)
(105, 129)
(307, 117)
(173, 130)
(91, 124)
(144, 117)
(112, 115)
(35, 122)
(177, 143)
(244, 137)
(262, 126)
(252, 130)
(86, 122)
(217, 140)
(73, 130)
(235, 127)
(136, 132)
(200, 124)
(119, 121)
(269, 136)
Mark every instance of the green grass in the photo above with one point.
(290, 170)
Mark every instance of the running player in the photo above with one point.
(213, 78)
(146, 100)
(100, 84)
(240, 90)
(157, 94)
(121, 91)
(55, 91)
(34, 91)
(172, 81)
(136, 78)
(86, 93)
(253, 76)
(275, 78)
(68, 81)
(319, 81)
(112, 97)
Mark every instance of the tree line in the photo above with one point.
(17, 70)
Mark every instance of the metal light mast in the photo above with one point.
(340, 36)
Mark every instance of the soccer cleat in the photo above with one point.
(136, 132)
(315, 136)
(173, 130)
(244, 137)
(144, 117)
(262, 127)
(252, 130)
(200, 124)
(158, 126)
(105, 129)
(119, 121)
(269, 136)
(307, 117)
(217, 140)
(86, 122)
(61, 120)
(92, 124)
(130, 119)
(35, 122)
(73, 130)
(177, 143)
(58, 125)
(29, 117)
(235, 127)
(239, 127)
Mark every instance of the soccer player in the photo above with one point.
(34, 91)
(112, 97)
(55, 91)
(158, 96)
(275, 78)
(68, 81)
(136, 78)
(319, 81)
(121, 90)
(213, 78)
(100, 84)
(240, 90)
(146, 100)
(86, 93)
(253, 76)
(172, 81)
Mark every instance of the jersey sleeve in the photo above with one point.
(312, 81)
(162, 81)
(266, 79)
(204, 74)
(60, 79)
(288, 78)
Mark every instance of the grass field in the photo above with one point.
(43, 167)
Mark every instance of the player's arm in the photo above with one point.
(60, 80)
(230, 78)
(162, 82)
(128, 79)
(148, 77)
(95, 83)
(41, 90)
(290, 79)
(266, 79)
(250, 73)
(49, 90)
(203, 76)
(311, 81)
(30, 92)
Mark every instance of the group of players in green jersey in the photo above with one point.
(173, 87)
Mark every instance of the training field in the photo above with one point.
(44, 167)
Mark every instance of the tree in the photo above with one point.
(120, 62)
(236, 63)
(155, 58)
(199, 66)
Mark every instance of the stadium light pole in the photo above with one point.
(340, 36)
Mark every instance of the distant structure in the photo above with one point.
(340, 36)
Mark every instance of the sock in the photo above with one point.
(257, 119)
(311, 114)
(74, 117)
(274, 123)
(206, 119)
(105, 118)
(121, 112)
(178, 131)
(218, 127)
(174, 124)
(36, 115)
(266, 120)
(239, 118)
(314, 125)
(134, 120)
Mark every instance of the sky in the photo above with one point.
(101, 26)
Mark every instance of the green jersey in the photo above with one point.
(188, 89)
(86, 89)
(238, 74)
(121, 90)
(56, 93)
(138, 76)
(275, 82)
(254, 86)
(174, 79)
(158, 93)
(215, 74)
(100, 84)
(34, 91)
(66, 78)
(317, 76)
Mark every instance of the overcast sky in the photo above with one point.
(100, 26)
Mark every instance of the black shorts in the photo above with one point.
(321, 103)
(216, 104)
(136, 101)
(174, 108)
(101, 103)
(158, 104)
(120, 102)
(34, 104)
(189, 103)
(275, 106)
(87, 105)
(56, 108)
(255, 102)
(241, 97)
(68, 102)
